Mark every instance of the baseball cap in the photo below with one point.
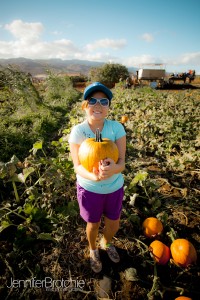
(96, 87)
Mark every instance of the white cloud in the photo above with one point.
(185, 61)
(28, 43)
(142, 59)
(190, 58)
(63, 49)
(97, 56)
(106, 43)
(148, 37)
(181, 63)
(25, 31)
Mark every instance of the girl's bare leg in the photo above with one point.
(92, 230)
(110, 229)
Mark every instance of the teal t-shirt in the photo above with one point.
(112, 130)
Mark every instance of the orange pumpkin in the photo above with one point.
(183, 298)
(183, 252)
(93, 150)
(152, 227)
(124, 119)
(160, 252)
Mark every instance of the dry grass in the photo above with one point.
(196, 80)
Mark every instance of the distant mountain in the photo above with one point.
(40, 66)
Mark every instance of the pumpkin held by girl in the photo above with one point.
(93, 150)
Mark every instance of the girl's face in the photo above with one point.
(97, 112)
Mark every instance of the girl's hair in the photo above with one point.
(84, 104)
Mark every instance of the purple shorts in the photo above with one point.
(93, 206)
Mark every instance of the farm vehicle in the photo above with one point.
(157, 78)
(182, 77)
(154, 76)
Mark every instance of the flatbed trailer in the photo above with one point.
(182, 77)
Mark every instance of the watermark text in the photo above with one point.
(48, 283)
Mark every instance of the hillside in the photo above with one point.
(39, 66)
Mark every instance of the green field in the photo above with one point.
(41, 233)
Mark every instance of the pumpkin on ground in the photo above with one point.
(124, 119)
(183, 252)
(152, 227)
(93, 150)
(160, 252)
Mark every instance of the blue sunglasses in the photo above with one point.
(103, 101)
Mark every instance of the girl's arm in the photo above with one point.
(79, 169)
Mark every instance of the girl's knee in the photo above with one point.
(114, 224)
(93, 226)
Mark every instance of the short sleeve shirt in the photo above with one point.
(112, 130)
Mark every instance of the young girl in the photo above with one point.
(100, 192)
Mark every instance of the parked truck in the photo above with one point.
(155, 76)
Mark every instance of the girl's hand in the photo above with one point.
(106, 168)
(95, 174)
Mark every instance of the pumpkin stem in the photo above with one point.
(98, 137)
(172, 234)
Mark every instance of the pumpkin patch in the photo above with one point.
(41, 232)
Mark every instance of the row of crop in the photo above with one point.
(162, 124)
(59, 165)
(30, 113)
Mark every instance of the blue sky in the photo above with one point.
(129, 32)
